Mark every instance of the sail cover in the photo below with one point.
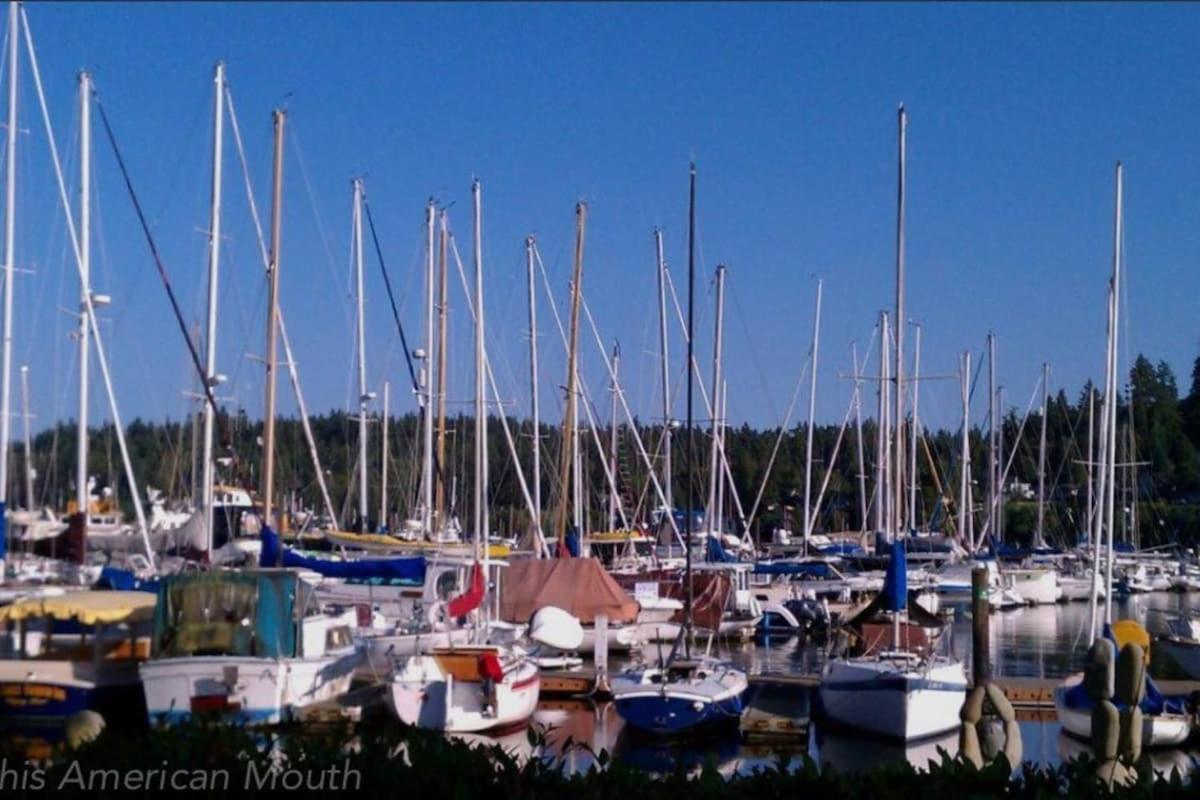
(579, 586)
(895, 581)
(274, 554)
(469, 600)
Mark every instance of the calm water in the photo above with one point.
(1042, 641)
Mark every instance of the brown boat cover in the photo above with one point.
(580, 586)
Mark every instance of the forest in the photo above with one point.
(1157, 488)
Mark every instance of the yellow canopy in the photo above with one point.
(381, 542)
(87, 607)
(1128, 631)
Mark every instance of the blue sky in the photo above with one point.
(1017, 114)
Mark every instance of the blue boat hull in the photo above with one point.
(44, 707)
(666, 715)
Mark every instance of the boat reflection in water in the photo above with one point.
(1163, 761)
(846, 752)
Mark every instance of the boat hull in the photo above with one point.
(895, 701)
(43, 695)
(666, 715)
(1158, 730)
(425, 696)
(242, 690)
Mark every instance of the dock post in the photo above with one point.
(600, 651)
(980, 610)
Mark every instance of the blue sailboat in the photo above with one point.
(682, 694)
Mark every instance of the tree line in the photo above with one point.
(1157, 487)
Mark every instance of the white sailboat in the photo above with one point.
(477, 687)
(902, 691)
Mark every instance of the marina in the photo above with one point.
(595, 546)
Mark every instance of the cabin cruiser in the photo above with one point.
(66, 652)
(251, 647)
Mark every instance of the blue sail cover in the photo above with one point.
(895, 581)
(124, 580)
(3, 530)
(274, 554)
(716, 551)
(808, 569)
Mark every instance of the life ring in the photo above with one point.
(973, 721)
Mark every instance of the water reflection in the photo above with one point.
(846, 752)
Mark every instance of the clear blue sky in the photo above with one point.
(1017, 116)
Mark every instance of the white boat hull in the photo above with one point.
(893, 699)
(422, 694)
(257, 691)
(1158, 730)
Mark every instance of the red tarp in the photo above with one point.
(579, 586)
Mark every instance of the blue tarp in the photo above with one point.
(813, 569)
(123, 580)
(715, 551)
(274, 554)
(895, 582)
(843, 549)
(3, 531)
(1155, 702)
(572, 541)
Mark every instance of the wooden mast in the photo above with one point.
(569, 415)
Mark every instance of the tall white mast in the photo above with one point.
(210, 345)
(363, 398)
(897, 482)
(534, 390)
(665, 372)
(577, 511)
(481, 473)
(1091, 457)
(862, 468)
(85, 291)
(427, 375)
(964, 477)
(881, 432)
(10, 216)
(914, 430)
(29, 499)
(1040, 540)
(714, 523)
(383, 461)
(812, 411)
(1111, 410)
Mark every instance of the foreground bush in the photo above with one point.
(391, 762)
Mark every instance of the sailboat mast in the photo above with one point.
(964, 475)
(1041, 500)
(85, 289)
(612, 441)
(993, 435)
(210, 344)
(711, 511)
(862, 468)
(1113, 349)
(567, 460)
(689, 432)
(29, 499)
(534, 388)
(882, 521)
(268, 481)
(812, 411)
(427, 376)
(914, 429)
(666, 371)
(363, 483)
(897, 482)
(443, 299)
(1091, 457)
(481, 511)
(10, 213)
(383, 461)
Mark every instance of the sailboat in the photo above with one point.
(249, 646)
(682, 694)
(476, 687)
(902, 691)
(1167, 721)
